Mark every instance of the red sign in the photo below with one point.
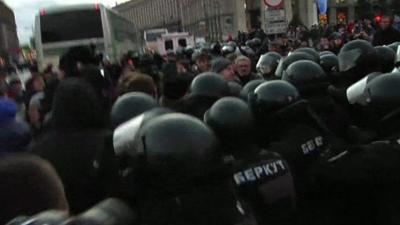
(273, 3)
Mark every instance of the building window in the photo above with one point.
(169, 45)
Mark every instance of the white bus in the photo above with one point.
(59, 28)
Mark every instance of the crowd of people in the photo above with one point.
(328, 37)
(251, 131)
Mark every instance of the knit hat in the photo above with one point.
(219, 64)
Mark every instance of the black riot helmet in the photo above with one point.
(249, 88)
(272, 96)
(230, 118)
(234, 88)
(358, 58)
(127, 133)
(173, 149)
(256, 42)
(292, 57)
(216, 48)
(232, 44)
(305, 75)
(227, 49)
(311, 52)
(397, 60)
(247, 51)
(329, 63)
(130, 105)
(209, 84)
(394, 46)
(387, 58)
(376, 90)
(326, 53)
(248, 43)
(268, 63)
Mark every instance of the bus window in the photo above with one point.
(71, 25)
(182, 43)
(169, 45)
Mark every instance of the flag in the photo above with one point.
(322, 6)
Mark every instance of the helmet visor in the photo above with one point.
(348, 60)
(397, 62)
(264, 69)
(125, 136)
(356, 93)
(279, 70)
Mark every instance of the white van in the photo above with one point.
(174, 42)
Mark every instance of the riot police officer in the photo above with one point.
(366, 170)
(330, 64)
(255, 172)
(311, 81)
(292, 57)
(267, 65)
(204, 91)
(288, 126)
(387, 58)
(249, 88)
(177, 172)
(356, 59)
(129, 106)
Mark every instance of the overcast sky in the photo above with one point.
(25, 11)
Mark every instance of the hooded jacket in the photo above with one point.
(15, 135)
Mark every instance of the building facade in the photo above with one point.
(344, 11)
(211, 19)
(8, 34)
(218, 19)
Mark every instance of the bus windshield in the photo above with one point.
(71, 25)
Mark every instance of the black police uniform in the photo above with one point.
(262, 180)
(358, 186)
(311, 81)
(289, 127)
(177, 172)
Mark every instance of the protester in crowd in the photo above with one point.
(33, 86)
(386, 34)
(15, 92)
(202, 62)
(15, 134)
(244, 70)
(138, 82)
(225, 68)
(75, 144)
(29, 185)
